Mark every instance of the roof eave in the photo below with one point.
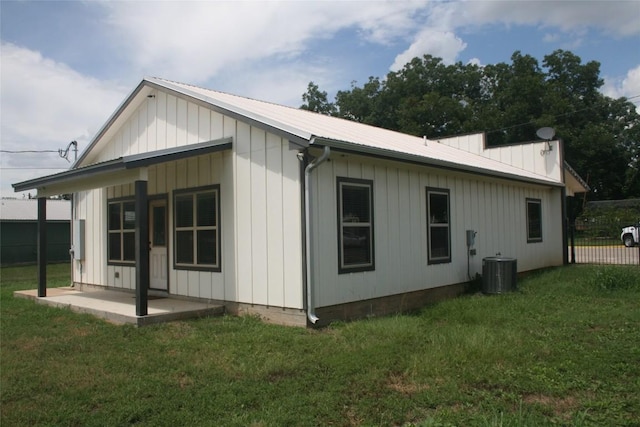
(578, 178)
(426, 161)
(70, 175)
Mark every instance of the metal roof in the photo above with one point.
(27, 210)
(348, 135)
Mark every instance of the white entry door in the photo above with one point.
(158, 255)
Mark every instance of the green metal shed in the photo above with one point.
(19, 231)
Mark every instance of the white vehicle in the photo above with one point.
(630, 235)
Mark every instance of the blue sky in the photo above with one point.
(66, 66)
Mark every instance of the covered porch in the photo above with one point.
(118, 306)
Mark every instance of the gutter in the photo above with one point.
(311, 315)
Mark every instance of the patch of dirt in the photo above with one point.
(184, 380)
(279, 374)
(81, 331)
(351, 417)
(561, 407)
(401, 384)
(29, 344)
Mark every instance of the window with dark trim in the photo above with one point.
(355, 225)
(438, 226)
(534, 220)
(197, 229)
(121, 231)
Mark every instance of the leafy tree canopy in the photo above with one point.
(508, 101)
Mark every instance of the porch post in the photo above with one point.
(42, 247)
(142, 248)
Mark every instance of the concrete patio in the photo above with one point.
(120, 307)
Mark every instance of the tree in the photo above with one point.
(361, 104)
(315, 100)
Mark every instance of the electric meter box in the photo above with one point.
(78, 239)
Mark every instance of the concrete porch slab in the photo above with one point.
(120, 307)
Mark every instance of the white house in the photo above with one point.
(298, 216)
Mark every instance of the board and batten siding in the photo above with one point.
(87, 205)
(495, 208)
(261, 230)
(268, 219)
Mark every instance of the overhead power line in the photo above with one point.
(62, 152)
(12, 168)
(27, 151)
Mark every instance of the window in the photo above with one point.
(197, 230)
(438, 226)
(534, 220)
(355, 225)
(121, 231)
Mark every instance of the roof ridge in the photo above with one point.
(262, 101)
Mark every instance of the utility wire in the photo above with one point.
(62, 169)
(27, 151)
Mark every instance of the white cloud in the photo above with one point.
(475, 61)
(278, 83)
(45, 105)
(195, 41)
(618, 17)
(442, 44)
(628, 86)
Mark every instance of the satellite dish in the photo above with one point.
(546, 133)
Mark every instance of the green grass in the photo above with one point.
(563, 350)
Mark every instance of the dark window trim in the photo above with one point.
(539, 203)
(119, 200)
(358, 268)
(196, 267)
(439, 260)
(159, 196)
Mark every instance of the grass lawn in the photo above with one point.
(563, 350)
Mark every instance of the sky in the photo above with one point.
(66, 66)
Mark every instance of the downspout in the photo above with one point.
(563, 205)
(311, 315)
